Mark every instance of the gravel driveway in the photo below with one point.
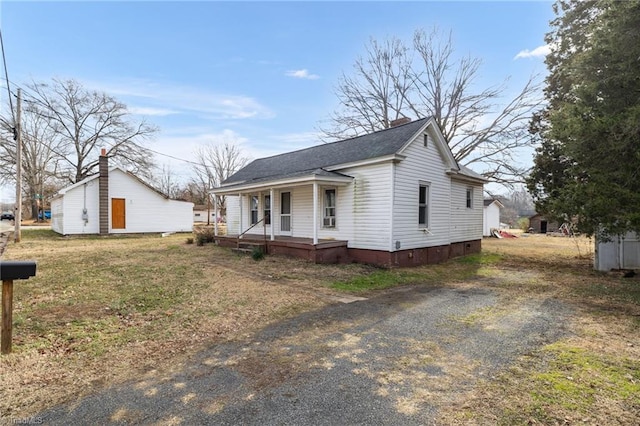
(392, 359)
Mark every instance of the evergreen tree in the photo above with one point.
(588, 165)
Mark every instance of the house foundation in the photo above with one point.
(336, 251)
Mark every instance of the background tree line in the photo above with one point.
(587, 167)
(65, 125)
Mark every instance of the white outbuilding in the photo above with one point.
(490, 216)
(117, 202)
(621, 252)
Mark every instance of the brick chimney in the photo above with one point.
(400, 121)
(103, 191)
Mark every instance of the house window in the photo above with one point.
(267, 209)
(329, 217)
(423, 206)
(469, 198)
(254, 209)
(426, 139)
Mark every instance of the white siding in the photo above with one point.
(618, 253)
(344, 214)
(201, 216)
(490, 219)
(368, 198)
(75, 200)
(57, 217)
(423, 164)
(233, 214)
(466, 223)
(145, 209)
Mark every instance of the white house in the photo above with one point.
(200, 213)
(394, 197)
(619, 253)
(491, 216)
(117, 202)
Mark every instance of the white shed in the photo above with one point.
(620, 253)
(490, 216)
(117, 202)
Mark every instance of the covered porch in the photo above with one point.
(296, 209)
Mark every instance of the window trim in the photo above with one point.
(469, 197)
(425, 205)
(266, 209)
(325, 207)
(253, 219)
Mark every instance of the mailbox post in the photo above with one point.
(10, 271)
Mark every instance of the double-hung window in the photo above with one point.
(469, 198)
(267, 209)
(254, 209)
(423, 205)
(329, 215)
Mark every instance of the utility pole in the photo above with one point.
(18, 138)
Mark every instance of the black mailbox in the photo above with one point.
(17, 270)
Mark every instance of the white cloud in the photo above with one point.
(157, 98)
(159, 112)
(538, 52)
(304, 74)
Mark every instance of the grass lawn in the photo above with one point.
(102, 310)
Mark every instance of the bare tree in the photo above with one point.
(377, 94)
(82, 122)
(167, 182)
(215, 164)
(39, 162)
(427, 80)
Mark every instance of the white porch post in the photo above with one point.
(315, 213)
(273, 224)
(240, 224)
(215, 215)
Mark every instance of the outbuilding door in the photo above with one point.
(118, 213)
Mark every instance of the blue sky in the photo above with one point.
(261, 74)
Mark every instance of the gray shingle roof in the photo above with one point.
(377, 144)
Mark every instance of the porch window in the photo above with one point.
(254, 209)
(267, 209)
(329, 217)
(423, 206)
(469, 198)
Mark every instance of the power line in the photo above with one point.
(6, 75)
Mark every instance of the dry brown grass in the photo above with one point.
(102, 311)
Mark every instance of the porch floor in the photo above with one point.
(326, 251)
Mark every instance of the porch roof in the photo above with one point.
(299, 178)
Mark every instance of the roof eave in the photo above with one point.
(367, 162)
(279, 183)
(461, 176)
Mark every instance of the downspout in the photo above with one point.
(393, 201)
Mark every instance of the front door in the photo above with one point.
(118, 213)
(285, 213)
